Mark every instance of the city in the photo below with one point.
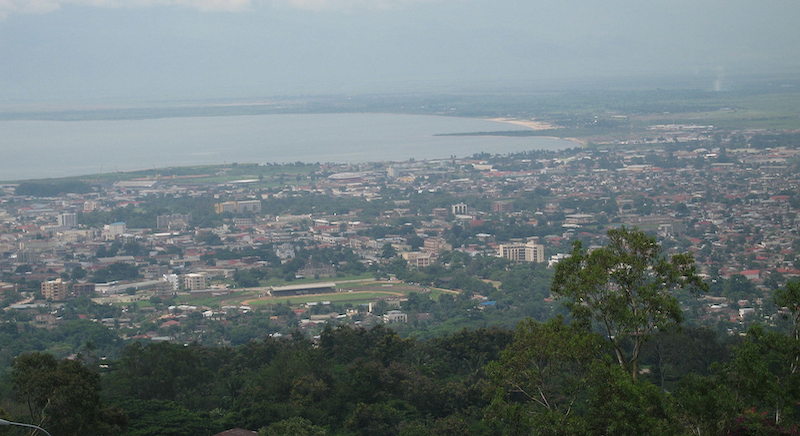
(726, 198)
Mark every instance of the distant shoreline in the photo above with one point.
(52, 149)
(536, 126)
(532, 123)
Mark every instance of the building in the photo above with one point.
(228, 206)
(303, 289)
(459, 209)
(441, 213)
(436, 245)
(528, 252)
(79, 289)
(579, 218)
(111, 231)
(68, 220)
(243, 222)
(172, 282)
(417, 259)
(502, 207)
(395, 316)
(173, 221)
(194, 282)
(55, 290)
(253, 206)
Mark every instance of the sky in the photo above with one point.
(61, 51)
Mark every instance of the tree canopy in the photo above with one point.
(625, 288)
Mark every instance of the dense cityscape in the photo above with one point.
(399, 218)
(244, 254)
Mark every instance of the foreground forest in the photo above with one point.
(620, 363)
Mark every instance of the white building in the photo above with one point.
(172, 279)
(395, 316)
(111, 231)
(250, 206)
(528, 252)
(68, 220)
(194, 282)
(459, 209)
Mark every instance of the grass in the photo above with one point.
(339, 297)
(270, 175)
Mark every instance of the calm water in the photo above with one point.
(41, 149)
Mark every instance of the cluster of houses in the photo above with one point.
(734, 208)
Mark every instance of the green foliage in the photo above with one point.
(39, 189)
(160, 371)
(538, 380)
(208, 238)
(705, 405)
(679, 351)
(619, 405)
(62, 396)
(789, 297)
(763, 372)
(625, 288)
(295, 426)
(114, 272)
(164, 418)
(388, 251)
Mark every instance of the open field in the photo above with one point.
(352, 289)
(355, 297)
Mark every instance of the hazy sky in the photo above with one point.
(84, 50)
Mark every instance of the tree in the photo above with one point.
(295, 426)
(625, 288)
(760, 372)
(704, 405)
(540, 377)
(388, 251)
(619, 405)
(789, 297)
(63, 396)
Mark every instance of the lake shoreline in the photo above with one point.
(54, 149)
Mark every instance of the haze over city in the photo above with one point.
(73, 51)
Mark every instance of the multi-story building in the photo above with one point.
(79, 289)
(238, 206)
(55, 290)
(502, 207)
(436, 245)
(249, 206)
(395, 316)
(172, 280)
(228, 206)
(194, 282)
(459, 209)
(68, 220)
(243, 222)
(441, 213)
(528, 252)
(111, 231)
(173, 221)
(417, 259)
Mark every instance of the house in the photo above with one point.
(751, 274)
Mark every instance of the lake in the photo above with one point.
(43, 149)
